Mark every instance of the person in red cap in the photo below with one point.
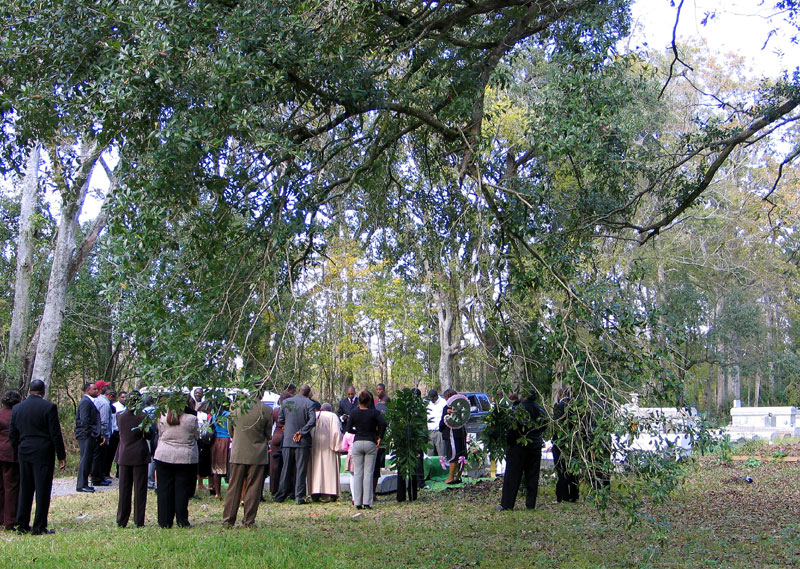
(104, 408)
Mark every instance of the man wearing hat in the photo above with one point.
(103, 405)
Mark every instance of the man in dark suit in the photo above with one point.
(133, 458)
(35, 434)
(87, 431)
(346, 406)
(298, 417)
(524, 455)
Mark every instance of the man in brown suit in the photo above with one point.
(133, 458)
(250, 427)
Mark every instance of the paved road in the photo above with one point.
(66, 486)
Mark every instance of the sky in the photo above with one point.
(737, 26)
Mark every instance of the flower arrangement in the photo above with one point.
(476, 453)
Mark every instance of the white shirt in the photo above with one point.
(435, 411)
(118, 408)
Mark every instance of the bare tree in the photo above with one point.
(22, 283)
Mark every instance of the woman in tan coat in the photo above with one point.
(176, 466)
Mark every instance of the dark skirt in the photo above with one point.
(275, 460)
(380, 462)
(458, 443)
(204, 460)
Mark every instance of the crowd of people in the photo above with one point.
(296, 444)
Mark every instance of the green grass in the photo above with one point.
(715, 519)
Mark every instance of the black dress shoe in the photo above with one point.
(44, 531)
(303, 501)
(85, 489)
(102, 483)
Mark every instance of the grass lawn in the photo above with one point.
(715, 519)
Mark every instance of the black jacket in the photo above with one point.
(345, 407)
(87, 419)
(35, 432)
(532, 430)
(132, 449)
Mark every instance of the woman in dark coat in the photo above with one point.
(457, 439)
(133, 459)
(9, 469)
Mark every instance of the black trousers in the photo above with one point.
(295, 463)
(109, 453)
(98, 460)
(410, 486)
(176, 484)
(87, 447)
(34, 477)
(519, 460)
(132, 481)
(567, 488)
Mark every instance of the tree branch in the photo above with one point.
(676, 57)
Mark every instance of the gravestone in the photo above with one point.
(763, 422)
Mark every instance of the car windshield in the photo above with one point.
(479, 403)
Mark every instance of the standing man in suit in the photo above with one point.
(524, 455)
(35, 433)
(133, 458)
(87, 431)
(298, 417)
(346, 406)
(250, 427)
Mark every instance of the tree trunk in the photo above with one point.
(735, 384)
(722, 361)
(661, 300)
(64, 264)
(22, 286)
(709, 388)
(721, 384)
(383, 360)
(449, 337)
(772, 317)
(757, 389)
